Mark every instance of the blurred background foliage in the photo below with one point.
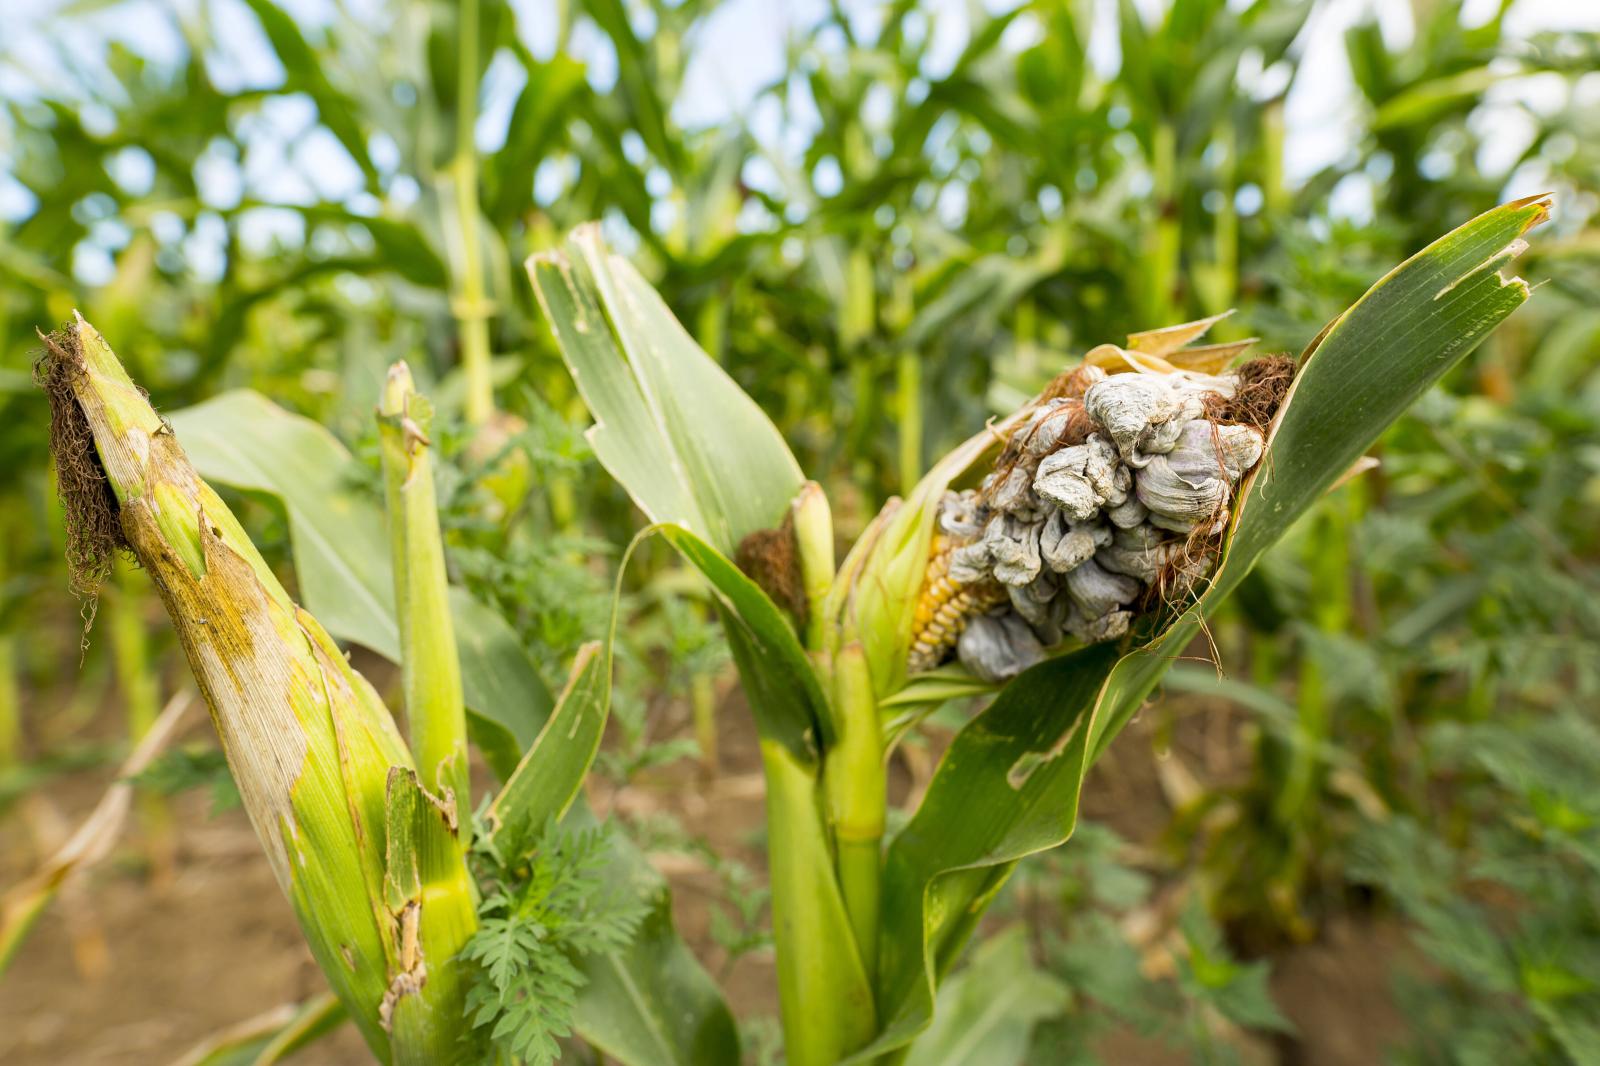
(914, 220)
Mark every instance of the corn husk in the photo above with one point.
(312, 747)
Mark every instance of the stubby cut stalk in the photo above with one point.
(310, 743)
(812, 519)
(435, 707)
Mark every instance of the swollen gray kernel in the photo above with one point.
(1065, 544)
(1014, 492)
(1192, 483)
(1014, 545)
(1145, 413)
(1083, 478)
(960, 514)
(1033, 601)
(1094, 630)
(1128, 513)
(1078, 533)
(1097, 591)
(998, 646)
(1044, 431)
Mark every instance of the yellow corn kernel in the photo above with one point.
(944, 607)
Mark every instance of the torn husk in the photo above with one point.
(306, 737)
(1109, 499)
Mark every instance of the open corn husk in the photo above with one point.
(366, 856)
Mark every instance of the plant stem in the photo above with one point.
(857, 790)
(1275, 195)
(430, 666)
(10, 703)
(10, 689)
(1162, 242)
(813, 535)
(703, 700)
(908, 377)
(471, 304)
(823, 994)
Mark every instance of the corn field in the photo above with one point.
(915, 534)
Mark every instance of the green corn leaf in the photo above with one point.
(652, 1004)
(695, 453)
(551, 774)
(679, 434)
(785, 696)
(341, 557)
(987, 1011)
(1009, 784)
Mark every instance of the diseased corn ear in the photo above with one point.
(309, 742)
(1107, 501)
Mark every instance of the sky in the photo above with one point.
(740, 51)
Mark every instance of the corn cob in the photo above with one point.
(945, 606)
(1115, 482)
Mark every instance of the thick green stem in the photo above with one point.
(857, 791)
(908, 376)
(1227, 234)
(823, 993)
(1275, 195)
(430, 667)
(471, 303)
(703, 701)
(1162, 242)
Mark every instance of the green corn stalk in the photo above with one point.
(10, 704)
(470, 303)
(368, 859)
(431, 672)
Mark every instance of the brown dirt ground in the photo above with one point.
(218, 944)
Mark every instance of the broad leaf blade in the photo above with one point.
(341, 556)
(785, 697)
(652, 1004)
(551, 774)
(679, 434)
(987, 1012)
(1009, 784)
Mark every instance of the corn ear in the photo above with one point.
(308, 740)
(945, 607)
